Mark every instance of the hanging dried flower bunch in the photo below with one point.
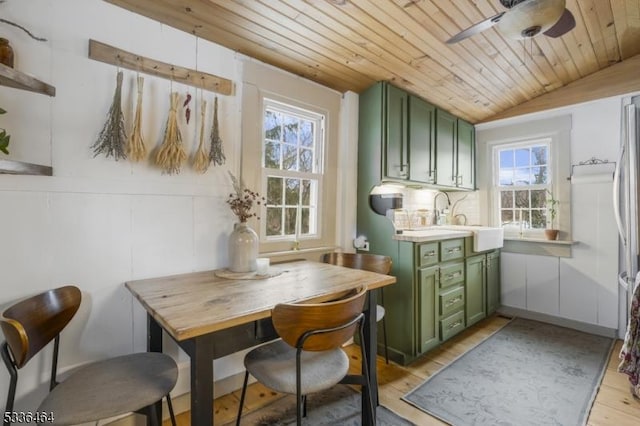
(201, 159)
(171, 155)
(135, 146)
(113, 138)
(216, 154)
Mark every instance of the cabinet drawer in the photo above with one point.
(451, 249)
(451, 274)
(428, 254)
(451, 325)
(451, 301)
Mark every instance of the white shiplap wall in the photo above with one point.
(582, 288)
(98, 223)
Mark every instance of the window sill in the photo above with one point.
(538, 246)
(306, 253)
(540, 240)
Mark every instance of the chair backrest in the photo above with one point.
(291, 321)
(368, 262)
(31, 324)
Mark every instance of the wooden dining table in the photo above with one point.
(210, 315)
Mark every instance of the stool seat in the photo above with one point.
(111, 387)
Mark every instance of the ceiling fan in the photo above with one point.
(525, 19)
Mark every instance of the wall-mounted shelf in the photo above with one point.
(12, 167)
(19, 80)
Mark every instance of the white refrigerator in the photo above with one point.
(625, 204)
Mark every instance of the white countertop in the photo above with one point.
(426, 235)
(484, 237)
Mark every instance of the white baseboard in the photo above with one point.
(562, 322)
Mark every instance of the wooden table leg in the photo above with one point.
(202, 381)
(370, 351)
(154, 344)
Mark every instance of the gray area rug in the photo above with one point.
(338, 406)
(527, 373)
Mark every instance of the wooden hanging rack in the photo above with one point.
(112, 55)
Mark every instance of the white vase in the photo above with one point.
(243, 248)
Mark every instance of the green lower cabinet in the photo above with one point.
(475, 289)
(435, 299)
(493, 281)
(426, 307)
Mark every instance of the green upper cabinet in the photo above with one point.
(455, 157)
(422, 160)
(408, 142)
(418, 142)
(396, 159)
(446, 131)
(466, 171)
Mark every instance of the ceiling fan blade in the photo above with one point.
(476, 28)
(565, 24)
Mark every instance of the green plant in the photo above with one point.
(4, 137)
(552, 204)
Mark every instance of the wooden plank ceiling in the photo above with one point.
(351, 44)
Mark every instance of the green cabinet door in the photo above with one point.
(396, 155)
(493, 281)
(421, 141)
(465, 172)
(446, 129)
(427, 309)
(475, 289)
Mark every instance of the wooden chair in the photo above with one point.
(129, 383)
(368, 262)
(309, 357)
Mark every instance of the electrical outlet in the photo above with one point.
(365, 247)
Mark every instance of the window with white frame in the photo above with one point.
(522, 180)
(292, 170)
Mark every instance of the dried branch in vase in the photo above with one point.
(201, 159)
(171, 155)
(29, 33)
(216, 154)
(241, 202)
(135, 146)
(113, 138)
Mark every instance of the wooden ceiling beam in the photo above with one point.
(615, 80)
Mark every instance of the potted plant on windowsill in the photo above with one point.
(551, 233)
(4, 137)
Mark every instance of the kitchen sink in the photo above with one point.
(484, 237)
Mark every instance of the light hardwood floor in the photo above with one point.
(614, 405)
